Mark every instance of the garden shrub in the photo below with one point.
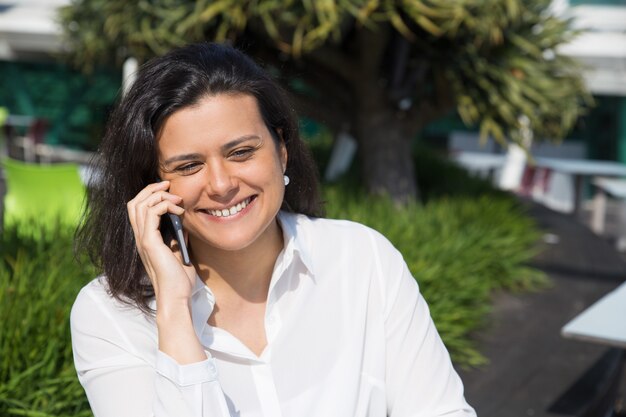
(39, 279)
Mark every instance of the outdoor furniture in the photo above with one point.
(602, 323)
(24, 139)
(581, 169)
(40, 196)
(605, 187)
(23, 134)
(481, 163)
(56, 153)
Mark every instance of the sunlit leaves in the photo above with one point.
(499, 57)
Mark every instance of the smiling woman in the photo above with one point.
(281, 312)
(219, 155)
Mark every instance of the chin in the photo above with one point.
(227, 243)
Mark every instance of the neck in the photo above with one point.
(246, 272)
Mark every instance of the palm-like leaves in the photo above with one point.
(497, 58)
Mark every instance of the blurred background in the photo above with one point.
(486, 140)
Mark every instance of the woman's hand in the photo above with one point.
(173, 282)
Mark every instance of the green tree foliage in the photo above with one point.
(385, 67)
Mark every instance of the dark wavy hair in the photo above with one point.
(127, 159)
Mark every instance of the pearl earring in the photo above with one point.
(286, 179)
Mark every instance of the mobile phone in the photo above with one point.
(173, 221)
(172, 228)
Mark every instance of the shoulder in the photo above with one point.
(93, 298)
(354, 260)
(92, 294)
(107, 333)
(331, 229)
(344, 240)
(96, 311)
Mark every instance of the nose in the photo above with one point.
(220, 181)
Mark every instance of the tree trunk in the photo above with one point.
(353, 87)
(385, 152)
(384, 136)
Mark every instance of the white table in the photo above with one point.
(479, 162)
(581, 168)
(604, 322)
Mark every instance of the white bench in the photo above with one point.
(616, 188)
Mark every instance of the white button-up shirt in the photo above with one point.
(348, 335)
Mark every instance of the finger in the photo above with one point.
(156, 198)
(190, 269)
(152, 246)
(142, 195)
(153, 214)
(148, 222)
(138, 210)
(152, 188)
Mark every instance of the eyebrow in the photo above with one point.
(238, 141)
(182, 157)
(225, 147)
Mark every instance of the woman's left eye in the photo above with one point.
(242, 153)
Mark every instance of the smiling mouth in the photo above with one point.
(231, 211)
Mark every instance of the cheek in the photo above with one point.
(274, 179)
(266, 172)
(188, 188)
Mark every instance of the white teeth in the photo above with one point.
(230, 211)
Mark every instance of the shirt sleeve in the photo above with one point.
(124, 375)
(420, 378)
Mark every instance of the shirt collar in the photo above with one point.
(296, 243)
(296, 247)
(202, 303)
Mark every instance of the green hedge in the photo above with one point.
(466, 241)
(39, 280)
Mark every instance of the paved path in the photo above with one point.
(531, 365)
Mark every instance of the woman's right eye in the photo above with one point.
(188, 168)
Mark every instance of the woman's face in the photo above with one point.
(222, 160)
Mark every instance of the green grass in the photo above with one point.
(466, 241)
(39, 280)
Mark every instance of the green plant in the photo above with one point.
(39, 279)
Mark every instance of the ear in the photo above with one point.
(282, 150)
